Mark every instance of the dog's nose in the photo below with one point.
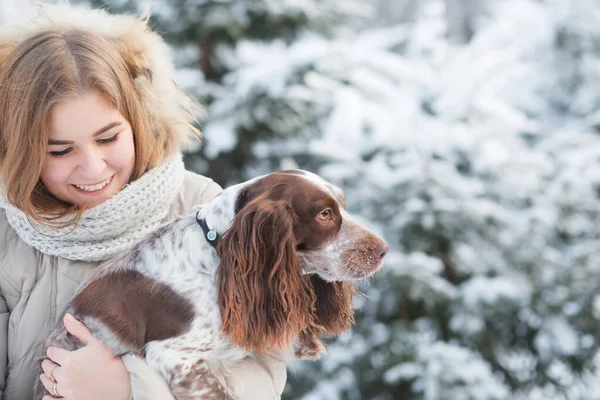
(381, 250)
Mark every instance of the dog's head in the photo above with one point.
(289, 260)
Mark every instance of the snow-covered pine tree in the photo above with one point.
(489, 191)
(474, 150)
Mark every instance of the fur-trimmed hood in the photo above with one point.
(146, 54)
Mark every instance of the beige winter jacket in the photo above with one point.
(34, 288)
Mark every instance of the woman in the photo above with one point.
(90, 127)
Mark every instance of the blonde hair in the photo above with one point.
(54, 66)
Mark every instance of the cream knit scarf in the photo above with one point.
(113, 226)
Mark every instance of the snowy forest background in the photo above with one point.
(467, 132)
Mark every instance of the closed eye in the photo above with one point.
(103, 141)
(109, 139)
(61, 153)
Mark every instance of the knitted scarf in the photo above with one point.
(112, 226)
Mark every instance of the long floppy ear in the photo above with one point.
(334, 311)
(264, 299)
(333, 314)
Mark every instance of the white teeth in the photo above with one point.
(95, 187)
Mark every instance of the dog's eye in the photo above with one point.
(324, 215)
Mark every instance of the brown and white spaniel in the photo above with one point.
(269, 265)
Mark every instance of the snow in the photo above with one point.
(482, 291)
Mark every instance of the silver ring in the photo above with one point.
(54, 391)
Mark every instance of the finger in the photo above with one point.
(78, 329)
(48, 384)
(57, 355)
(51, 369)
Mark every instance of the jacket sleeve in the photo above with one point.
(258, 379)
(197, 190)
(4, 315)
(212, 189)
(146, 383)
(250, 380)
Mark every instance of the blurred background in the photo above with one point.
(466, 132)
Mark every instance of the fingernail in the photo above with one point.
(69, 317)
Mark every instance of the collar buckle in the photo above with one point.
(211, 236)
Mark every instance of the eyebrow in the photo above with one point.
(100, 131)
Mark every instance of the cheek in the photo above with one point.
(317, 235)
(123, 154)
(55, 172)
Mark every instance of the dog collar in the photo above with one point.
(211, 236)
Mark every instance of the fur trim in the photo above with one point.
(145, 53)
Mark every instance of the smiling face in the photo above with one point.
(91, 152)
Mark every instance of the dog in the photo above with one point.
(268, 266)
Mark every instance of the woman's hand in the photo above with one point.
(91, 372)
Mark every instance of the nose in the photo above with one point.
(380, 250)
(92, 164)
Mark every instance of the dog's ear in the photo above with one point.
(333, 314)
(334, 310)
(264, 299)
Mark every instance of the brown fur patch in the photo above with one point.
(136, 308)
